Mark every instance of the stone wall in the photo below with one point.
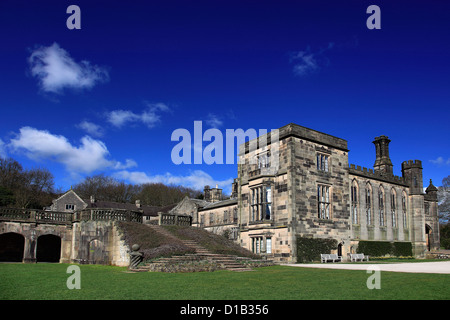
(294, 178)
(82, 241)
(394, 228)
(70, 197)
(306, 178)
(98, 242)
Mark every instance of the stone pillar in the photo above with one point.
(136, 257)
(417, 217)
(29, 252)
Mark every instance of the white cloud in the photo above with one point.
(129, 163)
(91, 128)
(89, 156)
(307, 62)
(120, 117)
(149, 117)
(56, 70)
(196, 179)
(440, 161)
(213, 121)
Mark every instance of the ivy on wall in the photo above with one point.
(383, 248)
(309, 249)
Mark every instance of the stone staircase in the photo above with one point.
(228, 262)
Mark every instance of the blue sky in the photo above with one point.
(106, 98)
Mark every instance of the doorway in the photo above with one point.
(48, 248)
(11, 247)
(428, 231)
(339, 250)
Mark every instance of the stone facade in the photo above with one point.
(301, 184)
(68, 202)
(93, 242)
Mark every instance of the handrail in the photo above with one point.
(42, 216)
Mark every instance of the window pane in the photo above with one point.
(269, 194)
(269, 245)
(268, 211)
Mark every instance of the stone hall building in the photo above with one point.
(301, 184)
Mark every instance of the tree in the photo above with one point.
(444, 233)
(106, 189)
(37, 189)
(159, 194)
(6, 197)
(444, 200)
(25, 188)
(11, 173)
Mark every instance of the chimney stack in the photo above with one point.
(383, 163)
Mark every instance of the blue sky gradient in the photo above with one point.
(106, 98)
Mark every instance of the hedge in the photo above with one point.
(309, 249)
(383, 248)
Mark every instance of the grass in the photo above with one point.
(48, 282)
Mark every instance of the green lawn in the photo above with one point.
(48, 281)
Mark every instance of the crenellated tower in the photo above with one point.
(412, 175)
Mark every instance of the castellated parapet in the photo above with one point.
(412, 164)
(377, 175)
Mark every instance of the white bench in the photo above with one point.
(358, 256)
(330, 257)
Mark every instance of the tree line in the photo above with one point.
(110, 189)
(35, 188)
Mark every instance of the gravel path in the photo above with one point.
(415, 267)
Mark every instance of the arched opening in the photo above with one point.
(48, 248)
(11, 247)
(428, 231)
(339, 249)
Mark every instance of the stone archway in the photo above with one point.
(11, 247)
(48, 248)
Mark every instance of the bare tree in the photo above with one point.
(27, 188)
(106, 188)
(444, 200)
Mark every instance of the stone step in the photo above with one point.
(228, 261)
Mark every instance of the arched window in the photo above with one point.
(381, 206)
(369, 204)
(404, 210)
(394, 208)
(354, 202)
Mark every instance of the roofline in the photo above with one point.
(223, 203)
(67, 193)
(295, 130)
